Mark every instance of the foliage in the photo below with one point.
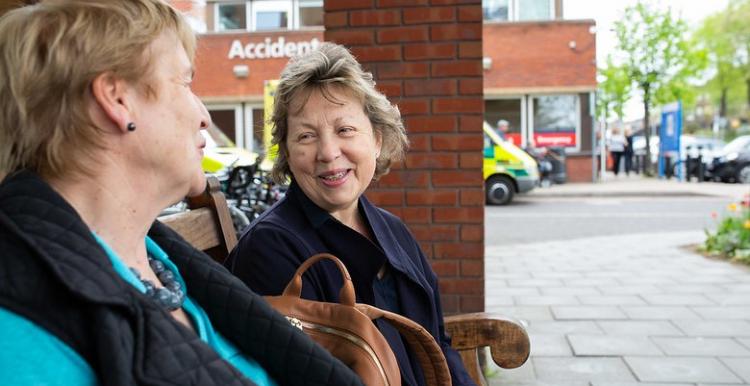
(732, 236)
(657, 57)
(614, 90)
(719, 36)
(738, 13)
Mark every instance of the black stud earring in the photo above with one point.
(131, 126)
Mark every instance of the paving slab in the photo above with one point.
(678, 300)
(691, 346)
(591, 282)
(524, 313)
(631, 289)
(659, 312)
(648, 280)
(724, 299)
(534, 282)
(557, 275)
(522, 374)
(723, 384)
(744, 287)
(740, 366)
(709, 290)
(687, 369)
(563, 327)
(604, 300)
(549, 345)
(581, 369)
(498, 301)
(570, 291)
(651, 313)
(588, 313)
(638, 384)
(502, 382)
(546, 300)
(729, 328)
(637, 327)
(612, 345)
(496, 290)
(726, 312)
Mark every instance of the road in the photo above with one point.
(533, 219)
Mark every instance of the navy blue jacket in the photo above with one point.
(295, 228)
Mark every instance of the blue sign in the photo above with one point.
(669, 136)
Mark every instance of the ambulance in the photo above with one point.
(508, 170)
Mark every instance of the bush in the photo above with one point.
(732, 236)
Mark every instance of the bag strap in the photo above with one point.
(346, 294)
(426, 349)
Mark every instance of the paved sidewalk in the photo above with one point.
(631, 310)
(640, 186)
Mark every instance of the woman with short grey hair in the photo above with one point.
(336, 134)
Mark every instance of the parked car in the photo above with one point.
(733, 163)
(221, 153)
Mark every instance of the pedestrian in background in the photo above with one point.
(628, 153)
(502, 129)
(617, 144)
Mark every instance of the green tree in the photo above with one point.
(613, 91)
(716, 37)
(657, 57)
(738, 14)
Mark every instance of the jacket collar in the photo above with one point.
(381, 231)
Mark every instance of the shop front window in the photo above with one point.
(310, 13)
(505, 111)
(232, 17)
(495, 10)
(555, 120)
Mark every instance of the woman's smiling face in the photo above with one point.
(332, 148)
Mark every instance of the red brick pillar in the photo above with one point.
(426, 56)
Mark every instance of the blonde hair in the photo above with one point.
(50, 53)
(331, 65)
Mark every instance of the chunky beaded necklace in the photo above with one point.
(172, 295)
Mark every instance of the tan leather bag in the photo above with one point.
(347, 331)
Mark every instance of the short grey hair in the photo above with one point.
(332, 65)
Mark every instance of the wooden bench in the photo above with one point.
(208, 226)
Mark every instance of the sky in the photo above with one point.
(607, 12)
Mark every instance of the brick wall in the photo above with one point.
(426, 56)
(538, 54)
(214, 78)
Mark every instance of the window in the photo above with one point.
(310, 13)
(535, 10)
(495, 10)
(555, 120)
(271, 15)
(555, 113)
(266, 15)
(517, 10)
(231, 17)
(508, 110)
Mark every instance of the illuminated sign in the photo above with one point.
(270, 49)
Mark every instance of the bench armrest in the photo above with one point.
(507, 339)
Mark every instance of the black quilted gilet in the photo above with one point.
(54, 273)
